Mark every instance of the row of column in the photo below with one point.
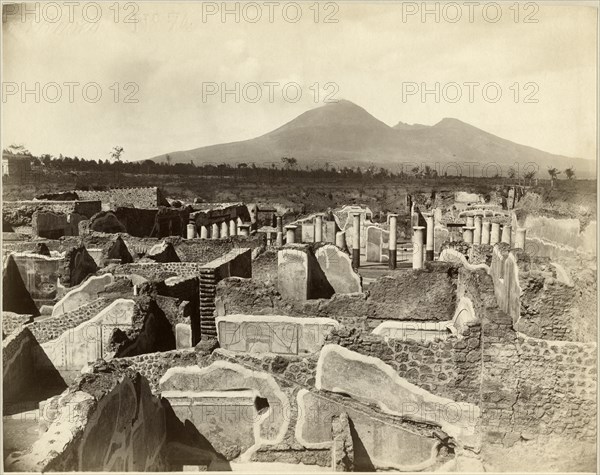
(218, 230)
(485, 232)
(476, 231)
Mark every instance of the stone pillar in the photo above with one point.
(485, 232)
(214, 231)
(203, 232)
(135, 289)
(520, 238)
(269, 238)
(191, 231)
(244, 229)
(477, 232)
(495, 234)
(340, 239)
(392, 250)
(290, 234)
(506, 231)
(356, 240)
(224, 229)
(470, 221)
(318, 228)
(430, 237)
(232, 227)
(418, 238)
(279, 226)
(468, 234)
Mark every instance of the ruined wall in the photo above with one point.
(52, 327)
(361, 310)
(566, 232)
(264, 267)
(40, 275)
(51, 225)
(161, 222)
(20, 213)
(154, 271)
(549, 311)
(541, 305)
(450, 368)
(13, 321)
(429, 294)
(150, 197)
(298, 428)
(105, 422)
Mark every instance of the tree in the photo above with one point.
(570, 172)
(168, 159)
(289, 162)
(116, 153)
(553, 172)
(15, 149)
(529, 175)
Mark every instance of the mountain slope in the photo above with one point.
(344, 134)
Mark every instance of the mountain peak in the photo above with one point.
(449, 122)
(342, 113)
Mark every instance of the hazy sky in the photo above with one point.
(374, 55)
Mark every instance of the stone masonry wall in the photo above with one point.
(429, 294)
(449, 368)
(52, 327)
(150, 197)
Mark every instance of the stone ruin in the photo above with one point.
(323, 343)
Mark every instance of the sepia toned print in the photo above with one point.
(291, 237)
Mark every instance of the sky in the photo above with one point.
(161, 79)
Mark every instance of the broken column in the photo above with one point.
(203, 232)
(318, 228)
(430, 237)
(279, 225)
(356, 240)
(468, 234)
(290, 234)
(485, 232)
(392, 252)
(224, 229)
(477, 232)
(232, 227)
(495, 234)
(418, 237)
(191, 231)
(520, 238)
(506, 231)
